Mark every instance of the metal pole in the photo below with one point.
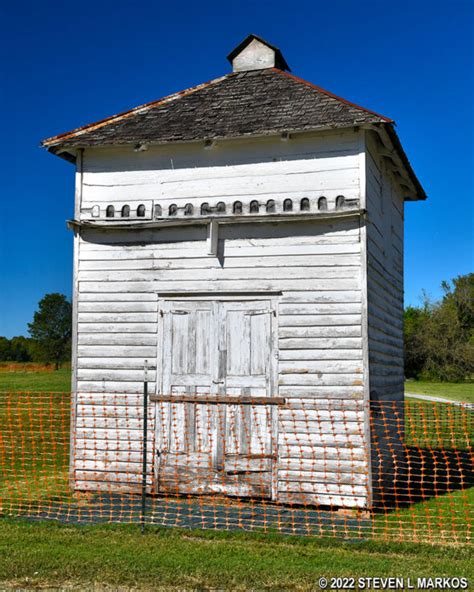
(145, 437)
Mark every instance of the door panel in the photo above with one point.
(188, 336)
(217, 348)
(249, 350)
(185, 430)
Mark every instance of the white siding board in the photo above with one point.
(113, 363)
(270, 285)
(316, 343)
(314, 264)
(323, 392)
(289, 309)
(132, 298)
(316, 379)
(116, 352)
(118, 307)
(273, 261)
(335, 274)
(112, 386)
(324, 366)
(318, 320)
(301, 355)
(122, 339)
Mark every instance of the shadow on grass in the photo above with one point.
(424, 473)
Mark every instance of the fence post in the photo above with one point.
(145, 438)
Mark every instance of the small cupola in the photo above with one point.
(254, 53)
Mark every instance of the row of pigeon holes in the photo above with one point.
(254, 207)
(125, 211)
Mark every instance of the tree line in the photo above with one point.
(438, 336)
(50, 333)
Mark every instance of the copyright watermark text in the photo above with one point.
(393, 583)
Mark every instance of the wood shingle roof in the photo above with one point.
(240, 104)
(258, 102)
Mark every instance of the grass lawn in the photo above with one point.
(447, 390)
(440, 517)
(34, 446)
(43, 555)
(55, 380)
(33, 555)
(60, 381)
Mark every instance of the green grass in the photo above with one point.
(35, 432)
(57, 381)
(60, 381)
(447, 390)
(43, 555)
(429, 424)
(34, 446)
(443, 518)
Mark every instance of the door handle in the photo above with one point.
(217, 382)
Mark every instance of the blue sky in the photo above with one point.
(66, 64)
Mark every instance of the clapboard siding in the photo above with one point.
(385, 279)
(273, 262)
(315, 265)
(320, 165)
(385, 311)
(116, 334)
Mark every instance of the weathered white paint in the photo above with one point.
(254, 56)
(241, 170)
(385, 279)
(326, 328)
(384, 247)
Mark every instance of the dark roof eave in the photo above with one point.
(64, 154)
(421, 194)
(59, 150)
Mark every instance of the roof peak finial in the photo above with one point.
(254, 53)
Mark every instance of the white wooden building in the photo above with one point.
(245, 238)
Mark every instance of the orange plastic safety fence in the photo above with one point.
(329, 467)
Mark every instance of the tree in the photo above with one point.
(448, 335)
(414, 353)
(5, 350)
(16, 349)
(51, 328)
(462, 297)
(19, 349)
(439, 336)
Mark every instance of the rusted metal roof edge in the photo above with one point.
(333, 96)
(53, 140)
(56, 140)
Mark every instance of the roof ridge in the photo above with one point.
(124, 114)
(330, 94)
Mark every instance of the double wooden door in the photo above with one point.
(215, 428)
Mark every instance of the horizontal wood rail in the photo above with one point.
(114, 224)
(218, 399)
